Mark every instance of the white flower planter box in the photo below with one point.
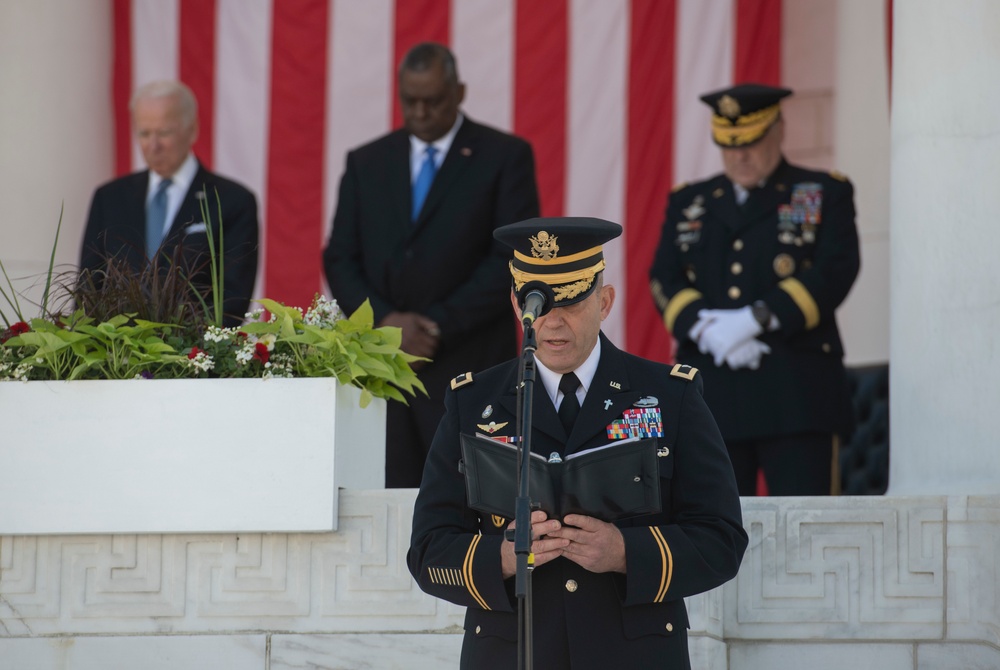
(182, 456)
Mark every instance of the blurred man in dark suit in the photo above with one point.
(158, 211)
(413, 233)
(752, 265)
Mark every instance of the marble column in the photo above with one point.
(56, 141)
(945, 249)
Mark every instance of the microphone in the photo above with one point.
(536, 299)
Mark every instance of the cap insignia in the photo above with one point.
(728, 107)
(544, 246)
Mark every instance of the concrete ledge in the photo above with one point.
(911, 583)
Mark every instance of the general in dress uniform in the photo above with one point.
(750, 268)
(604, 594)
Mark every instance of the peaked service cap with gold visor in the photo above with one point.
(564, 252)
(744, 113)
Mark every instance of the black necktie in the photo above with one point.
(570, 406)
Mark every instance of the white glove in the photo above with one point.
(699, 327)
(747, 354)
(728, 328)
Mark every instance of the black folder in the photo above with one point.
(610, 482)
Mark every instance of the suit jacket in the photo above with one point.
(584, 619)
(116, 227)
(794, 245)
(446, 266)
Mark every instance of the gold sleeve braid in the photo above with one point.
(803, 299)
(666, 563)
(470, 583)
(681, 299)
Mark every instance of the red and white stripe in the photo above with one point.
(605, 90)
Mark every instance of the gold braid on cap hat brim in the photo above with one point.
(746, 129)
(565, 285)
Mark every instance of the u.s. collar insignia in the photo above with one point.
(498, 521)
(646, 401)
(616, 386)
(544, 246)
(491, 427)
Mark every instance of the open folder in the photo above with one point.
(610, 482)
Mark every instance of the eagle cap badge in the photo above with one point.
(544, 246)
(729, 107)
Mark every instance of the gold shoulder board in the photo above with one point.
(684, 372)
(461, 380)
(678, 187)
(839, 176)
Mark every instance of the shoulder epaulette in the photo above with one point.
(684, 372)
(461, 380)
(839, 176)
(678, 187)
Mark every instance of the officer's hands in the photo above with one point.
(727, 329)
(595, 545)
(420, 334)
(747, 354)
(544, 545)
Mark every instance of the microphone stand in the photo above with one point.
(522, 504)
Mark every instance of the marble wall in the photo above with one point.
(887, 583)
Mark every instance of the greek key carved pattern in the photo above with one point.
(840, 568)
(352, 580)
(857, 568)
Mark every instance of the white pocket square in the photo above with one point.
(195, 228)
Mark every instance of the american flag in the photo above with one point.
(605, 90)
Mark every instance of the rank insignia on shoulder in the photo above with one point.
(461, 380)
(498, 521)
(678, 187)
(684, 372)
(839, 176)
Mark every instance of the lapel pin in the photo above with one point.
(646, 401)
(487, 411)
(466, 151)
(607, 404)
(616, 386)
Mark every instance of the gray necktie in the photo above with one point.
(156, 218)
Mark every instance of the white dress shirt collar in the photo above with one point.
(442, 144)
(585, 373)
(180, 183)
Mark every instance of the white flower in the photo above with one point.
(268, 340)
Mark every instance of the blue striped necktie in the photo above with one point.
(422, 185)
(156, 218)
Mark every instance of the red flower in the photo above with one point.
(261, 353)
(16, 329)
(242, 334)
(193, 353)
